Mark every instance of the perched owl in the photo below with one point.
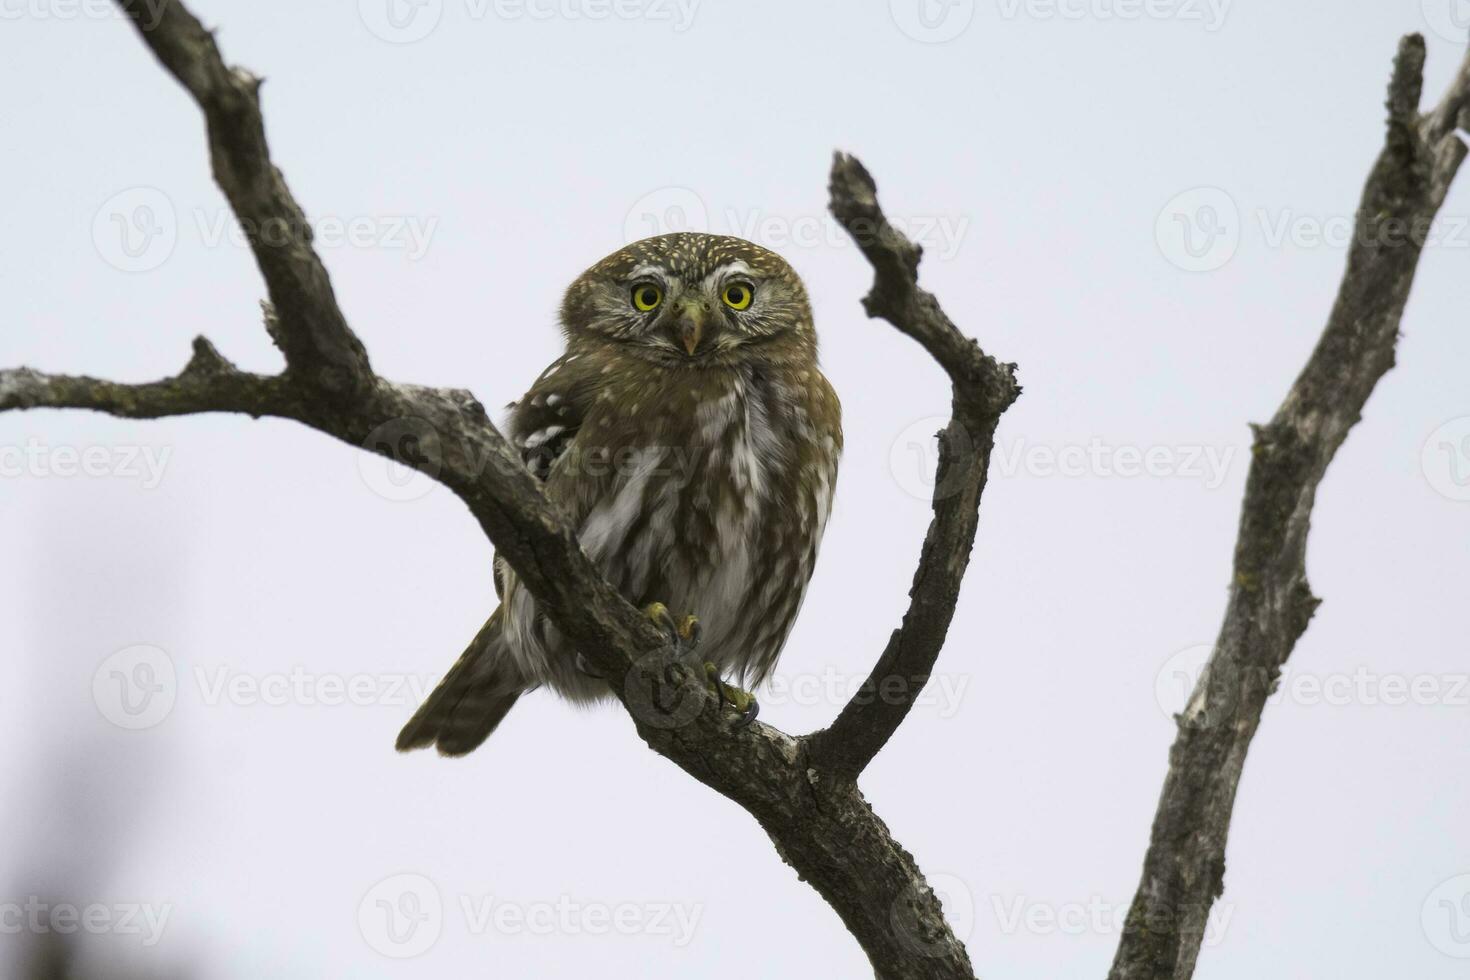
(690, 438)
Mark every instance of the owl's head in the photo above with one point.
(693, 299)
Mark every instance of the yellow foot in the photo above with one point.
(744, 703)
(658, 614)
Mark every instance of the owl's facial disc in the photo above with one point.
(691, 298)
(689, 319)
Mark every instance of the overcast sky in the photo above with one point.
(1144, 205)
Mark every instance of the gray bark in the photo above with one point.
(1270, 602)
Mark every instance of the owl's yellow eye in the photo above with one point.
(737, 295)
(647, 296)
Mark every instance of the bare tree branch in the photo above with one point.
(311, 331)
(208, 383)
(983, 388)
(817, 818)
(1270, 602)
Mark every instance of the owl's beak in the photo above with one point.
(689, 328)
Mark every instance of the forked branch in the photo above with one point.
(809, 805)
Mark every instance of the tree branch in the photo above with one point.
(818, 820)
(1270, 602)
(208, 383)
(983, 388)
(320, 348)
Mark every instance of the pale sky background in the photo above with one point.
(1040, 155)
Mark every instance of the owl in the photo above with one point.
(690, 438)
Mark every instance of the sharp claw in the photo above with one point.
(690, 631)
(749, 714)
(659, 614)
(586, 668)
(742, 702)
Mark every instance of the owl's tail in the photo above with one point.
(471, 699)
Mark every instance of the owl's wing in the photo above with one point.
(544, 422)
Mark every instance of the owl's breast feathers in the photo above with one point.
(706, 488)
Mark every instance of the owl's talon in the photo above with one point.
(585, 667)
(658, 614)
(690, 631)
(744, 703)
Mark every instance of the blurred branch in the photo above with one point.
(1270, 602)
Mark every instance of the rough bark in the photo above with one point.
(1270, 602)
(982, 389)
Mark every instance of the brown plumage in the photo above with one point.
(690, 437)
